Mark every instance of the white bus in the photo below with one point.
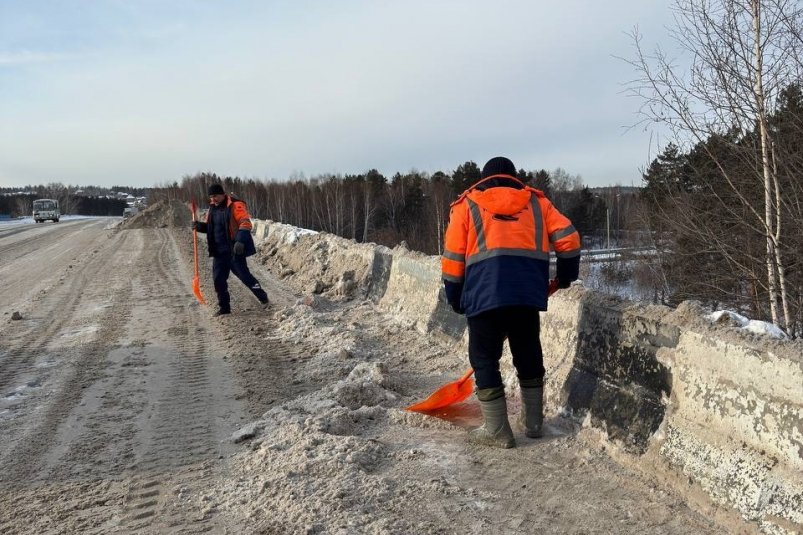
(44, 209)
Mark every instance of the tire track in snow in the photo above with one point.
(29, 435)
(182, 434)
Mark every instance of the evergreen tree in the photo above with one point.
(543, 181)
(465, 176)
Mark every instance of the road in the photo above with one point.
(111, 382)
(119, 395)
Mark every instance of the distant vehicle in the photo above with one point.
(129, 211)
(44, 209)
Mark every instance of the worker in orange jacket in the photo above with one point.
(495, 268)
(228, 236)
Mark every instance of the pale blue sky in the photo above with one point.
(142, 92)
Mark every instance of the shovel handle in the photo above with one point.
(465, 377)
(194, 238)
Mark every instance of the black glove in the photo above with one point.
(452, 294)
(239, 248)
(457, 308)
(194, 225)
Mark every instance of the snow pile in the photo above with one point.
(365, 386)
(161, 214)
(317, 449)
(317, 263)
(338, 408)
(301, 322)
(292, 234)
(728, 317)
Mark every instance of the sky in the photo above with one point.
(141, 93)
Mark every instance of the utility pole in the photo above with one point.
(618, 228)
(608, 218)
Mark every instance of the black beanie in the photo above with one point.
(216, 189)
(498, 166)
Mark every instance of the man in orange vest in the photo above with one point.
(495, 268)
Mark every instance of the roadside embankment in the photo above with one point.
(715, 411)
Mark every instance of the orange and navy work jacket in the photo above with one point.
(497, 247)
(237, 222)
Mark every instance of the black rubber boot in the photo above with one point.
(532, 407)
(496, 430)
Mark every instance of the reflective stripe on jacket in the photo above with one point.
(497, 246)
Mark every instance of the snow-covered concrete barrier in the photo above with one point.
(711, 407)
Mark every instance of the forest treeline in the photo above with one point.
(87, 200)
(412, 207)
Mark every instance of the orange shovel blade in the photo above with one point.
(196, 289)
(196, 281)
(448, 394)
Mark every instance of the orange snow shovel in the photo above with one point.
(448, 394)
(196, 281)
(459, 390)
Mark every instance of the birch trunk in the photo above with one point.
(769, 184)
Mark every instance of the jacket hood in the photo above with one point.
(501, 200)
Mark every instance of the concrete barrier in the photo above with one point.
(714, 409)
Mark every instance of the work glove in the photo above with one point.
(557, 284)
(457, 308)
(239, 248)
(453, 294)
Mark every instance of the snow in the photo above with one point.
(606, 272)
(16, 221)
(741, 322)
(29, 220)
(292, 237)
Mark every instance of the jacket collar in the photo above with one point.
(497, 181)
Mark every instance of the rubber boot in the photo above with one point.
(532, 407)
(496, 430)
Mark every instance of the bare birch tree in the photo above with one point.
(374, 182)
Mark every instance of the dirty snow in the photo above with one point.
(728, 317)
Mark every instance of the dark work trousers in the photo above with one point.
(221, 266)
(486, 335)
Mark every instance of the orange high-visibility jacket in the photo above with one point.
(238, 225)
(497, 247)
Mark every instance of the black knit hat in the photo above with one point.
(216, 189)
(498, 166)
